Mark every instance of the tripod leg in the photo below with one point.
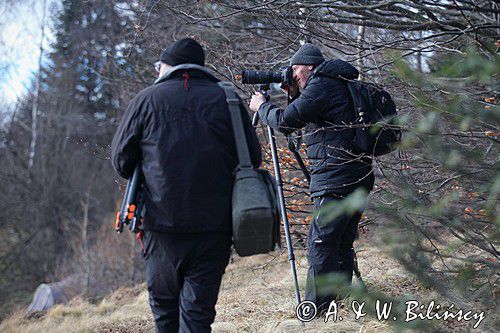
(357, 272)
(281, 197)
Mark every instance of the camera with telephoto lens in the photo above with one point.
(285, 75)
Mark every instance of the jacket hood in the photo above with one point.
(338, 68)
(184, 67)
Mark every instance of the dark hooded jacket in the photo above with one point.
(180, 131)
(324, 107)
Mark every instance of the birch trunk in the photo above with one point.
(34, 109)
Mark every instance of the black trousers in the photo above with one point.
(183, 276)
(329, 250)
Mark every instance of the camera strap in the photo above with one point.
(294, 147)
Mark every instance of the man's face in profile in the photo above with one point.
(301, 73)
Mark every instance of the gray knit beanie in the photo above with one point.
(308, 54)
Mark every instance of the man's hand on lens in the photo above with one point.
(256, 101)
(291, 90)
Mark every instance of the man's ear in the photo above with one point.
(310, 67)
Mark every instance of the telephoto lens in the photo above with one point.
(260, 77)
(285, 75)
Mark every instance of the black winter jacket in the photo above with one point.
(323, 108)
(180, 131)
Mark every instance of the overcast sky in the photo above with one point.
(20, 32)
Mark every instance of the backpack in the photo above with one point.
(376, 113)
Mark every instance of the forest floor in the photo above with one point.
(256, 295)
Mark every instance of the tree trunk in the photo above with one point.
(86, 253)
(34, 109)
(360, 42)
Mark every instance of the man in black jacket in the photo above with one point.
(179, 131)
(322, 104)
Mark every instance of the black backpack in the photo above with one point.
(376, 112)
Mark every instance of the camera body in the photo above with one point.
(284, 75)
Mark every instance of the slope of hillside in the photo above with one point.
(256, 296)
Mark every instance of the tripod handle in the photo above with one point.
(263, 90)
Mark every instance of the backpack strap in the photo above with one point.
(233, 103)
(355, 88)
(360, 107)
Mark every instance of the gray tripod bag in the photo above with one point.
(256, 218)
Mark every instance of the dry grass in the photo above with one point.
(256, 296)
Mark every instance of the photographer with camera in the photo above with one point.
(322, 105)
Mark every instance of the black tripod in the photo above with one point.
(281, 197)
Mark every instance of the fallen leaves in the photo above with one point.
(491, 134)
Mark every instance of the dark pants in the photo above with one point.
(183, 275)
(330, 251)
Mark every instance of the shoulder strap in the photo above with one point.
(239, 133)
(355, 88)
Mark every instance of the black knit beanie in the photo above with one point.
(308, 54)
(184, 51)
